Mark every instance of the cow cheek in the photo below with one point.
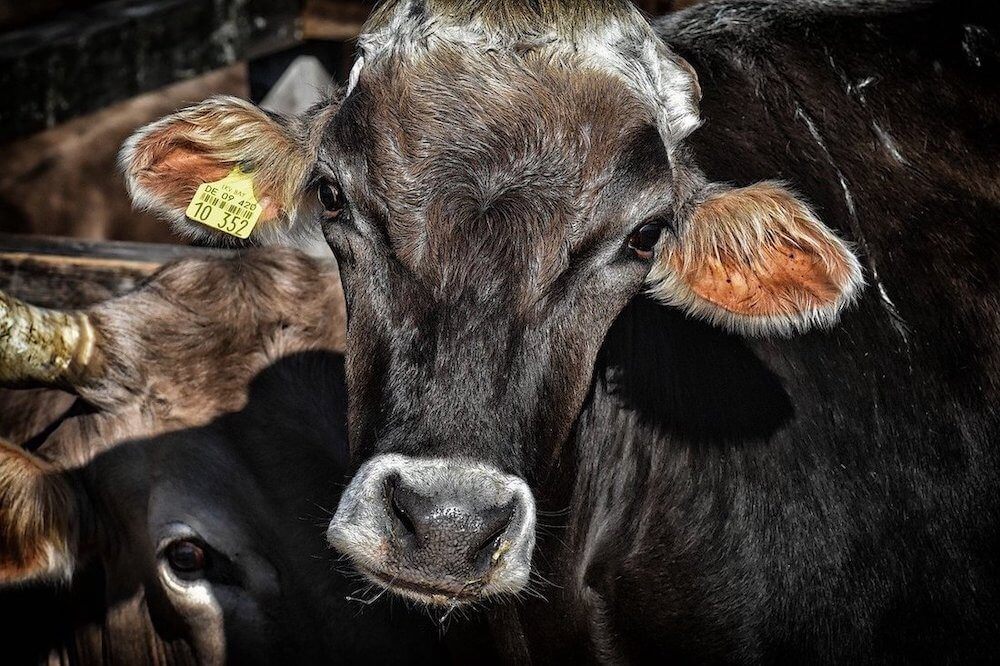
(571, 374)
(195, 603)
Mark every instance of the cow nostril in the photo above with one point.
(402, 516)
(392, 491)
(492, 542)
(496, 526)
(437, 532)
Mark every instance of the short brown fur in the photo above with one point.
(37, 511)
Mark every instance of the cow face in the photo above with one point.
(208, 540)
(200, 560)
(498, 181)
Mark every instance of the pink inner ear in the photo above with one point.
(168, 160)
(174, 175)
(786, 281)
(757, 260)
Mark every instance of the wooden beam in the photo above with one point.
(334, 20)
(66, 273)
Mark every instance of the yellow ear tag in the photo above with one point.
(228, 205)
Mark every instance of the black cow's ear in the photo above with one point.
(39, 519)
(166, 162)
(757, 261)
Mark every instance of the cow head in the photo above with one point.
(196, 559)
(498, 180)
(173, 485)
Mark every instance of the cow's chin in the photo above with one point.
(508, 575)
(446, 592)
(439, 531)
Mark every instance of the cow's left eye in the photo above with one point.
(331, 197)
(643, 240)
(186, 556)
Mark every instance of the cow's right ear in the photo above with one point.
(166, 161)
(39, 519)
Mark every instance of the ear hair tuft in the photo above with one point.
(38, 529)
(757, 261)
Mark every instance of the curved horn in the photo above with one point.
(42, 346)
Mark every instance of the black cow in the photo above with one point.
(503, 181)
(830, 497)
(175, 512)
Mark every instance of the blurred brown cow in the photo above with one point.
(64, 181)
(162, 495)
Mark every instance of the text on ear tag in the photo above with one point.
(228, 205)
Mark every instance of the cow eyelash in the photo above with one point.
(331, 197)
(641, 242)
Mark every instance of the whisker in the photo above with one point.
(448, 612)
(369, 602)
(552, 514)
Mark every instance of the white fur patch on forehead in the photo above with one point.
(608, 36)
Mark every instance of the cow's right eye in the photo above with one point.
(186, 556)
(331, 197)
(643, 240)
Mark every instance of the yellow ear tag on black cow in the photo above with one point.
(228, 205)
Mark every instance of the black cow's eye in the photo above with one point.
(643, 240)
(331, 198)
(186, 556)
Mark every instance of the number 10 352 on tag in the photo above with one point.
(228, 205)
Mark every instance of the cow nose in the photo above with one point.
(455, 533)
(438, 530)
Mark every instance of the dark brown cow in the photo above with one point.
(492, 182)
(175, 512)
(529, 229)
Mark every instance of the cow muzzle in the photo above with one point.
(440, 531)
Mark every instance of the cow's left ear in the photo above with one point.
(756, 261)
(39, 519)
(167, 161)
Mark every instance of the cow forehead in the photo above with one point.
(494, 164)
(609, 35)
(488, 129)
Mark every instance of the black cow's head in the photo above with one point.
(201, 553)
(497, 181)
